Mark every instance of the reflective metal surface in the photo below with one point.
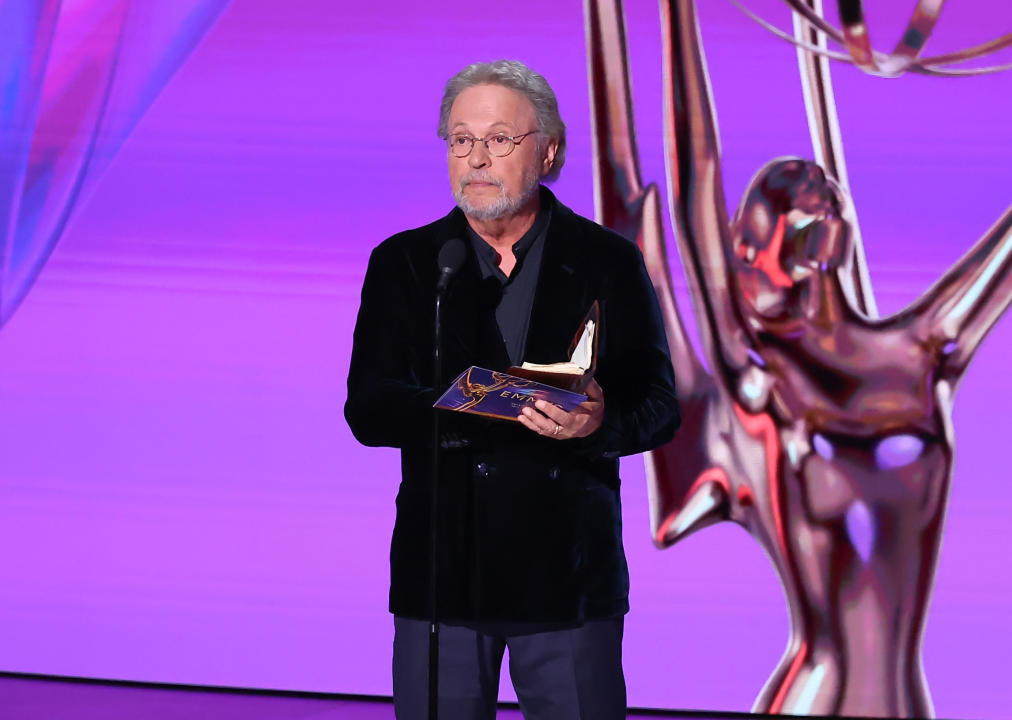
(822, 429)
(906, 55)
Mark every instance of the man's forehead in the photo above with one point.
(491, 106)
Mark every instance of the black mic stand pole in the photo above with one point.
(451, 258)
(437, 371)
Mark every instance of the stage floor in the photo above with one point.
(31, 698)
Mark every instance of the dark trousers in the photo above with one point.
(559, 673)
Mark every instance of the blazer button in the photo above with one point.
(481, 469)
(554, 473)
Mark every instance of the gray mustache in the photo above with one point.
(480, 177)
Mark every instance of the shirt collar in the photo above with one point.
(521, 246)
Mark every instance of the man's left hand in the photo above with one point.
(554, 422)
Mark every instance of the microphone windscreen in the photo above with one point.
(452, 255)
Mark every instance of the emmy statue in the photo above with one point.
(821, 428)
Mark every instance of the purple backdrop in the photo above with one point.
(180, 500)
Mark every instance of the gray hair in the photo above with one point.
(517, 76)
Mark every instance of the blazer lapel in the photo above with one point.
(561, 299)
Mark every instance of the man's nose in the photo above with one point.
(479, 156)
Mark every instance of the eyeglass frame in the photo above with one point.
(515, 139)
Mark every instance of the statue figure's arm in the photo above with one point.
(958, 311)
(699, 212)
(679, 473)
(618, 187)
(621, 201)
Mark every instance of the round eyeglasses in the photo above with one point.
(498, 145)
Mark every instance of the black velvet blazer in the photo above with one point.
(530, 528)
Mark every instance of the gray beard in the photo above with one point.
(504, 205)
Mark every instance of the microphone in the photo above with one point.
(451, 258)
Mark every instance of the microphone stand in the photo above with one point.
(437, 372)
(451, 257)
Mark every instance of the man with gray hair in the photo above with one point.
(529, 523)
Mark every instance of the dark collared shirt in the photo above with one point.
(513, 311)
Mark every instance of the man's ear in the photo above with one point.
(548, 158)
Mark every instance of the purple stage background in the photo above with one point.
(180, 499)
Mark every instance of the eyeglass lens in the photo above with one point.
(498, 145)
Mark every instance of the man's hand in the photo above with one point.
(554, 422)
